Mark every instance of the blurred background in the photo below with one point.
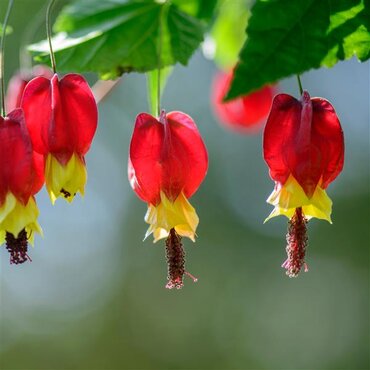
(94, 295)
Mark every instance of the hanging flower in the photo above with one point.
(21, 177)
(244, 114)
(61, 115)
(303, 147)
(18, 83)
(167, 163)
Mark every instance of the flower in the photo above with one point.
(18, 83)
(61, 115)
(167, 163)
(303, 146)
(21, 177)
(244, 114)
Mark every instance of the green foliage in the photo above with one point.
(201, 9)
(228, 31)
(113, 37)
(288, 37)
(283, 38)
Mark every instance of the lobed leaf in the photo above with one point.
(288, 37)
(111, 37)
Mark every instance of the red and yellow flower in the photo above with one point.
(21, 177)
(167, 163)
(303, 146)
(61, 115)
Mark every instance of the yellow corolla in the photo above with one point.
(290, 196)
(16, 216)
(65, 180)
(179, 215)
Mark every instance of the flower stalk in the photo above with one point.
(300, 84)
(2, 52)
(48, 32)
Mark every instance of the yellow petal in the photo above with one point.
(15, 216)
(65, 181)
(167, 215)
(7, 207)
(291, 195)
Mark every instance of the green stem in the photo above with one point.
(159, 64)
(159, 92)
(2, 48)
(48, 32)
(300, 84)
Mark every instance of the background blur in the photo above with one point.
(94, 296)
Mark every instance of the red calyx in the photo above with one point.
(303, 138)
(18, 83)
(166, 154)
(242, 114)
(21, 170)
(61, 115)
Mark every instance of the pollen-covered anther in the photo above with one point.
(17, 247)
(297, 242)
(176, 261)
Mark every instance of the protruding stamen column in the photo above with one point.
(297, 242)
(17, 247)
(175, 255)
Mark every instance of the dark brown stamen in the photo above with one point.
(17, 247)
(297, 242)
(175, 255)
(65, 193)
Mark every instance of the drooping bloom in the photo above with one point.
(18, 83)
(245, 114)
(167, 163)
(61, 115)
(21, 177)
(303, 146)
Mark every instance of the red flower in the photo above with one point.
(304, 149)
(243, 114)
(61, 115)
(21, 178)
(18, 83)
(167, 163)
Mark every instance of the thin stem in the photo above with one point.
(159, 65)
(159, 92)
(2, 49)
(300, 84)
(48, 32)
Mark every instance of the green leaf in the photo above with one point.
(111, 37)
(228, 32)
(288, 37)
(152, 83)
(201, 9)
